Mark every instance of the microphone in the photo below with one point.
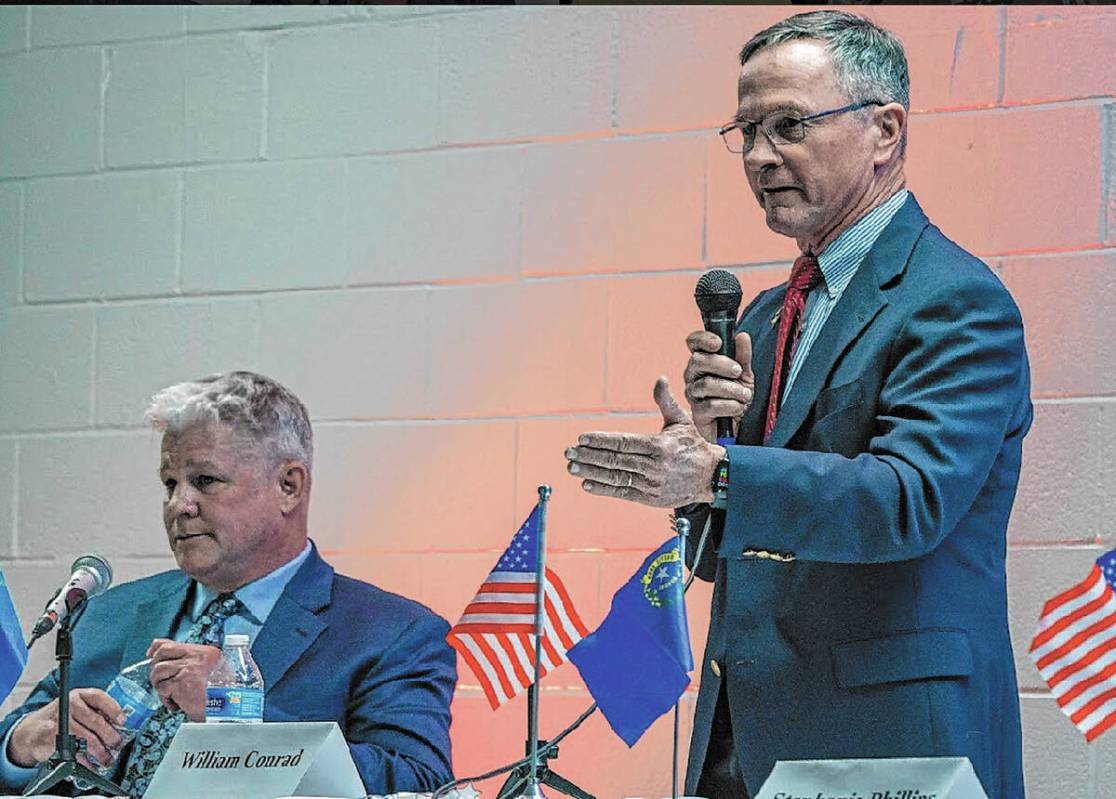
(91, 576)
(718, 297)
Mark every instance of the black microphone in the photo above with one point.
(91, 575)
(718, 297)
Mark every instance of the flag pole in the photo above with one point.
(533, 788)
(682, 527)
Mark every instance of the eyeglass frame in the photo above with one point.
(736, 124)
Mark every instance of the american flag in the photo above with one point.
(1075, 649)
(496, 633)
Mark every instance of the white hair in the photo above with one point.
(253, 405)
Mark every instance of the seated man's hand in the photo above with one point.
(92, 713)
(180, 672)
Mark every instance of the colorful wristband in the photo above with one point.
(721, 483)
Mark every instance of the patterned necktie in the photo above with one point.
(155, 736)
(804, 276)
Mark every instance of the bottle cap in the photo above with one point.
(236, 639)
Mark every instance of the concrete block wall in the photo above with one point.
(464, 235)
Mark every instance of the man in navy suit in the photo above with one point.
(236, 465)
(857, 523)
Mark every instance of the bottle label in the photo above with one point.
(233, 704)
(136, 713)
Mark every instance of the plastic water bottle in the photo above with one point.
(236, 691)
(133, 692)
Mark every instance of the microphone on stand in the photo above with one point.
(718, 297)
(91, 575)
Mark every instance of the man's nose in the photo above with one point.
(182, 502)
(763, 152)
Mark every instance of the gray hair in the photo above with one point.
(255, 406)
(869, 61)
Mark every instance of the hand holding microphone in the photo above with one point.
(676, 466)
(719, 380)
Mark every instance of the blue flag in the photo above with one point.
(13, 651)
(636, 663)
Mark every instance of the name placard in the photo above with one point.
(884, 778)
(257, 761)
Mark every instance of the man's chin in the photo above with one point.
(797, 220)
(195, 564)
(783, 220)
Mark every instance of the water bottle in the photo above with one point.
(137, 699)
(235, 693)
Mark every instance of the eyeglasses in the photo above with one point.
(779, 128)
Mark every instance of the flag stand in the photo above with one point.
(526, 781)
(682, 527)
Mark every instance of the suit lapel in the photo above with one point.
(862, 300)
(759, 326)
(293, 624)
(155, 618)
(859, 304)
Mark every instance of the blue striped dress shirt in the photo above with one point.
(839, 263)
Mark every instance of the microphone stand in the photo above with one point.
(63, 765)
(526, 781)
(520, 783)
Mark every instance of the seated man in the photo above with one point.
(236, 463)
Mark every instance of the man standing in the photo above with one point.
(236, 463)
(857, 536)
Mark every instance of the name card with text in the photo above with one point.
(257, 761)
(885, 778)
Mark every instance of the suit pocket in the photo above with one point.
(841, 422)
(914, 655)
(836, 400)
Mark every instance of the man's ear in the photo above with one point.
(891, 120)
(294, 485)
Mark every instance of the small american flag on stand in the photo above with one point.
(1075, 649)
(496, 633)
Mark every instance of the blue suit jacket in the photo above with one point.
(333, 649)
(889, 478)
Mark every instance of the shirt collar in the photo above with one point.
(259, 596)
(840, 259)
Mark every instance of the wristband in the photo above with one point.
(721, 483)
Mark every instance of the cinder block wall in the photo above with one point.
(465, 235)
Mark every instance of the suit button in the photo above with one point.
(715, 667)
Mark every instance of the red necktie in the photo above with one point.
(804, 276)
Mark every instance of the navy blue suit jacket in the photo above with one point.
(888, 478)
(332, 649)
